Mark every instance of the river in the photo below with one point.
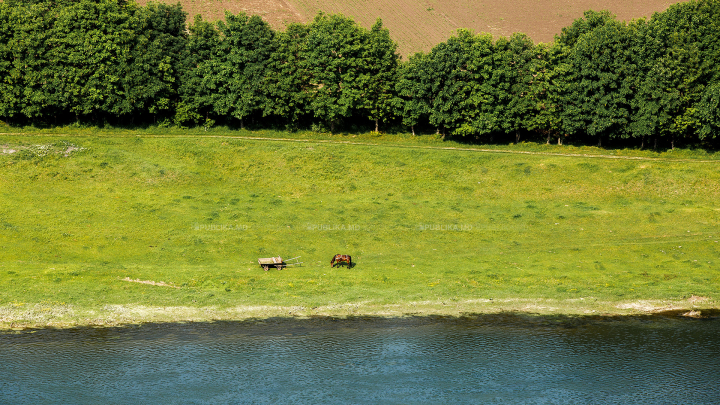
(504, 359)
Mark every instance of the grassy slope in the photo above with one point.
(440, 226)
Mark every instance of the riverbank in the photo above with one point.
(42, 316)
(91, 222)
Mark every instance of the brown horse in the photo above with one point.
(340, 259)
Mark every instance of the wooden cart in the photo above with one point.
(277, 262)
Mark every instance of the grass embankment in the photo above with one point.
(106, 228)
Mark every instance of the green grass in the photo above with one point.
(422, 224)
(396, 139)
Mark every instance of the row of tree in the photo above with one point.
(329, 70)
(116, 62)
(600, 78)
(89, 60)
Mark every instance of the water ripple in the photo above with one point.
(429, 360)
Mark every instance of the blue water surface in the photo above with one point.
(483, 359)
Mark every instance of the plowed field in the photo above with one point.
(418, 25)
(276, 12)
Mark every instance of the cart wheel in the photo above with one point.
(266, 267)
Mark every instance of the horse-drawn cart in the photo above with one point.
(276, 262)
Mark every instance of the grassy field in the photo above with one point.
(419, 25)
(109, 227)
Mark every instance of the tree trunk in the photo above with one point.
(655, 147)
(332, 127)
(377, 128)
(672, 142)
(560, 140)
(548, 139)
(642, 144)
(517, 137)
(600, 141)
(242, 124)
(412, 128)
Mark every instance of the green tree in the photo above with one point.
(513, 71)
(288, 86)
(23, 86)
(89, 44)
(238, 69)
(94, 58)
(545, 91)
(566, 92)
(380, 74)
(569, 36)
(664, 99)
(680, 48)
(9, 91)
(414, 89)
(65, 57)
(151, 80)
(461, 86)
(195, 92)
(602, 64)
(708, 112)
(336, 54)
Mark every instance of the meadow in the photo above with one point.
(111, 227)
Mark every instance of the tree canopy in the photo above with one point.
(600, 80)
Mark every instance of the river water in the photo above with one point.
(485, 359)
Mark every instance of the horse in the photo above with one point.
(340, 259)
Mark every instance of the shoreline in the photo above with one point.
(40, 316)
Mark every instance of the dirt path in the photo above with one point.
(391, 145)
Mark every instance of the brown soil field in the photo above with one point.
(418, 25)
(277, 13)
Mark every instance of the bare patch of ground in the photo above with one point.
(13, 316)
(36, 315)
(157, 283)
(61, 148)
(693, 314)
(648, 306)
(7, 150)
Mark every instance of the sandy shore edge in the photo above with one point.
(30, 315)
